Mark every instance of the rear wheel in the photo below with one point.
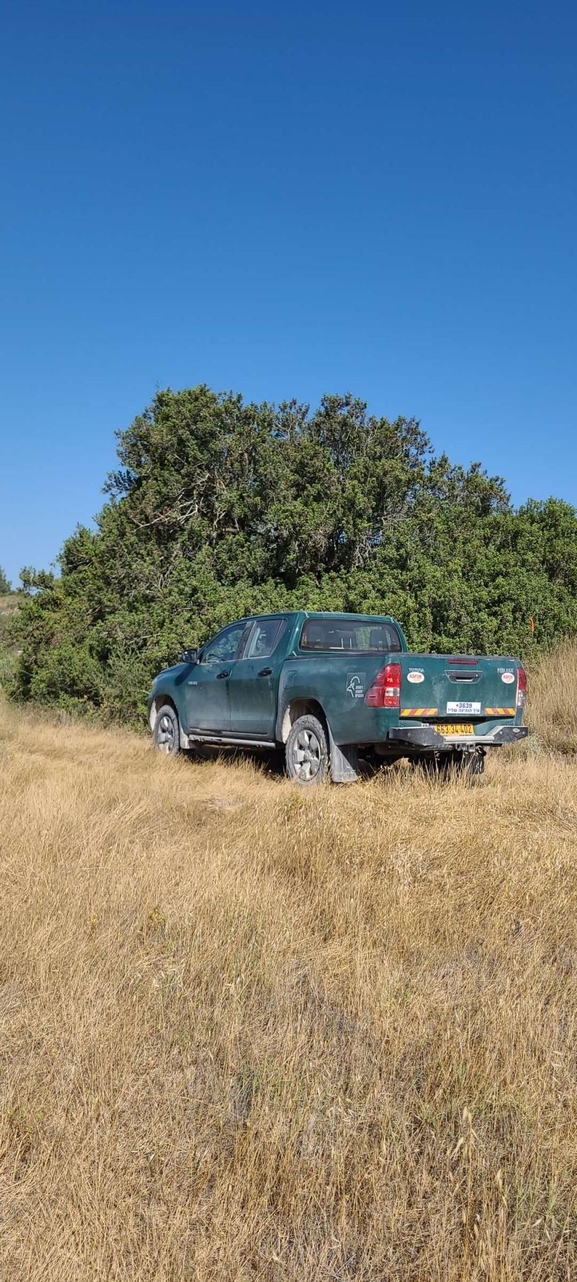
(474, 763)
(307, 752)
(166, 733)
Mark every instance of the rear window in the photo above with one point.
(342, 634)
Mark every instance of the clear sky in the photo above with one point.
(284, 199)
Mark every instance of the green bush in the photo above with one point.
(221, 509)
(7, 671)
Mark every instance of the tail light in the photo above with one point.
(521, 686)
(385, 691)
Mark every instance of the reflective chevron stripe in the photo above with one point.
(500, 712)
(419, 712)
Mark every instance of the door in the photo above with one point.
(254, 680)
(208, 686)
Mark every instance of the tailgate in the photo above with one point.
(458, 688)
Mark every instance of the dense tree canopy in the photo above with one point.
(220, 509)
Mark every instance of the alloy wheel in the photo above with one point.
(306, 755)
(165, 733)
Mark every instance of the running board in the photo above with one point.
(226, 741)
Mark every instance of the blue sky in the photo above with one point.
(284, 200)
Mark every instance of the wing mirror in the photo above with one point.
(189, 656)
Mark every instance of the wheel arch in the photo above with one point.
(159, 701)
(301, 707)
(343, 761)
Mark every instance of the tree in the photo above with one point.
(221, 509)
(5, 586)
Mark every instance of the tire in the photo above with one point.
(434, 767)
(166, 733)
(475, 763)
(307, 752)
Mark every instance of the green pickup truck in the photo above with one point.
(339, 693)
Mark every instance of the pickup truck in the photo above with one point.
(337, 692)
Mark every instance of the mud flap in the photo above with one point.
(344, 761)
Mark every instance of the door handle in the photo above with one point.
(265, 672)
(219, 675)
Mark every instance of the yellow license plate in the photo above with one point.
(457, 727)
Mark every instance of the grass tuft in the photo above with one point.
(552, 710)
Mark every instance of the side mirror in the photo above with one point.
(189, 656)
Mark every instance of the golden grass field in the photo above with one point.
(254, 1033)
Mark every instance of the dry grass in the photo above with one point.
(553, 700)
(250, 1033)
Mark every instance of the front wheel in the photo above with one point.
(307, 752)
(166, 733)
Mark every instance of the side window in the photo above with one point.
(265, 638)
(225, 645)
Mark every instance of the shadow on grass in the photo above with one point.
(270, 762)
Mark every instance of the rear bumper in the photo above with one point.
(426, 737)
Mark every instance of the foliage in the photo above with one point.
(8, 654)
(5, 586)
(6, 671)
(220, 509)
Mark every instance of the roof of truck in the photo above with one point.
(317, 614)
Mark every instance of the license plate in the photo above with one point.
(460, 727)
(463, 709)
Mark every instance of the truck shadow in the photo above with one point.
(270, 762)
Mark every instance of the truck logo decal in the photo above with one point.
(355, 685)
(508, 678)
(415, 676)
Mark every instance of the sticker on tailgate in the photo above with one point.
(471, 709)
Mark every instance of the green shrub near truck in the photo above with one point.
(334, 691)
